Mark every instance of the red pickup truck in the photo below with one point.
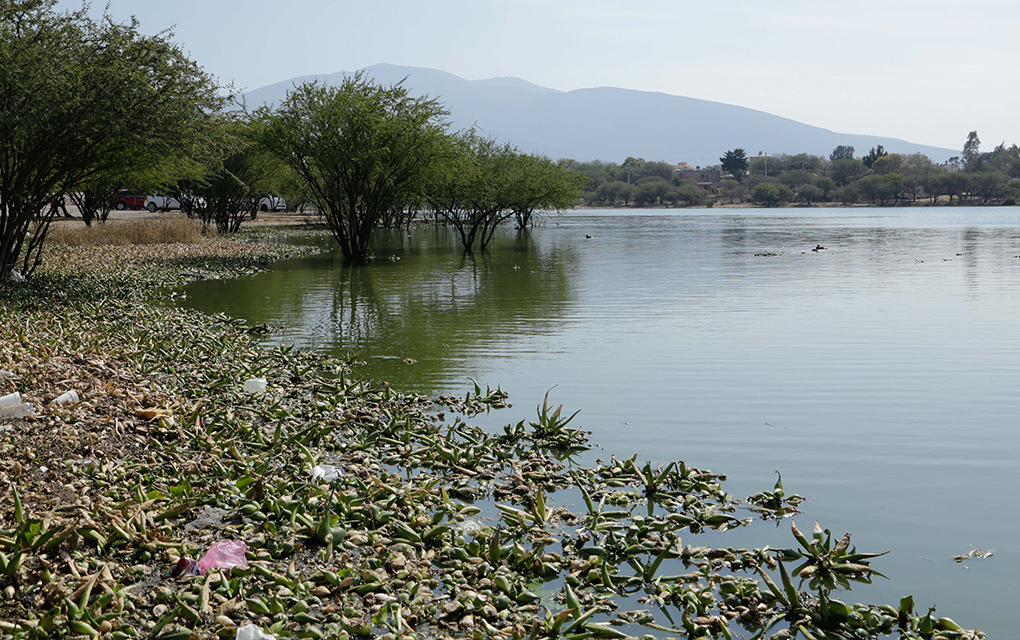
(127, 199)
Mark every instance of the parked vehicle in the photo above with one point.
(272, 203)
(127, 199)
(161, 203)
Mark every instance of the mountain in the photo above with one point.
(607, 123)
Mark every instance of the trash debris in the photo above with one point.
(183, 566)
(979, 554)
(225, 554)
(210, 516)
(251, 632)
(68, 397)
(11, 406)
(326, 472)
(255, 385)
(15, 276)
(469, 526)
(6, 374)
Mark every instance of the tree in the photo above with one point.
(972, 150)
(988, 185)
(874, 154)
(771, 194)
(81, 100)
(842, 152)
(361, 148)
(238, 174)
(846, 170)
(735, 162)
(890, 163)
(809, 193)
(544, 186)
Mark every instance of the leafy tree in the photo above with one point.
(988, 185)
(651, 191)
(874, 154)
(735, 162)
(826, 184)
(846, 170)
(634, 169)
(544, 186)
(238, 175)
(842, 152)
(732, 191)
(480, 183)
(972, 150)
(809, 193)
(82, 101)
(881, 187)
(362, 149)
(616, 192)
(771, 194)
(804, 162)
(794, 178)
(688, 195)
(890, 163)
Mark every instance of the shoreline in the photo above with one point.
(167, 453)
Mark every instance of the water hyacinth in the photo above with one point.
(434, 528)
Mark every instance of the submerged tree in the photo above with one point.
(481, 183)
(79, 98)
(362, 149)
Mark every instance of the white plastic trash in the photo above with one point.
(68, 397)
(10, 400)
(20, 410)
(15, 276)
(255, 385)
(326, 472)
(251, 632)
(6, 374)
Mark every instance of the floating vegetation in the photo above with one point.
(363, 511)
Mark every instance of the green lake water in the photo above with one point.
(880, 375)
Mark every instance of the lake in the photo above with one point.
(880, 374)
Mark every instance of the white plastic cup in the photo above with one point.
(68, 397)
(10, 400)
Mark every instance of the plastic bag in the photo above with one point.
(225, 554)
(255, 385)
(251, 632)
(326, 472)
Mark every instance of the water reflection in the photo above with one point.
(416, 311)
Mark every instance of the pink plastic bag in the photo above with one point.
(225, 554)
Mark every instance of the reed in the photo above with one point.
(169, 230)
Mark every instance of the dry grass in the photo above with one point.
(146, 231)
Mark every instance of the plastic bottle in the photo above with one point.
(20, 410)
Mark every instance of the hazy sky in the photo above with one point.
(928, 71)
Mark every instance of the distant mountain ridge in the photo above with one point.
(608, 123)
